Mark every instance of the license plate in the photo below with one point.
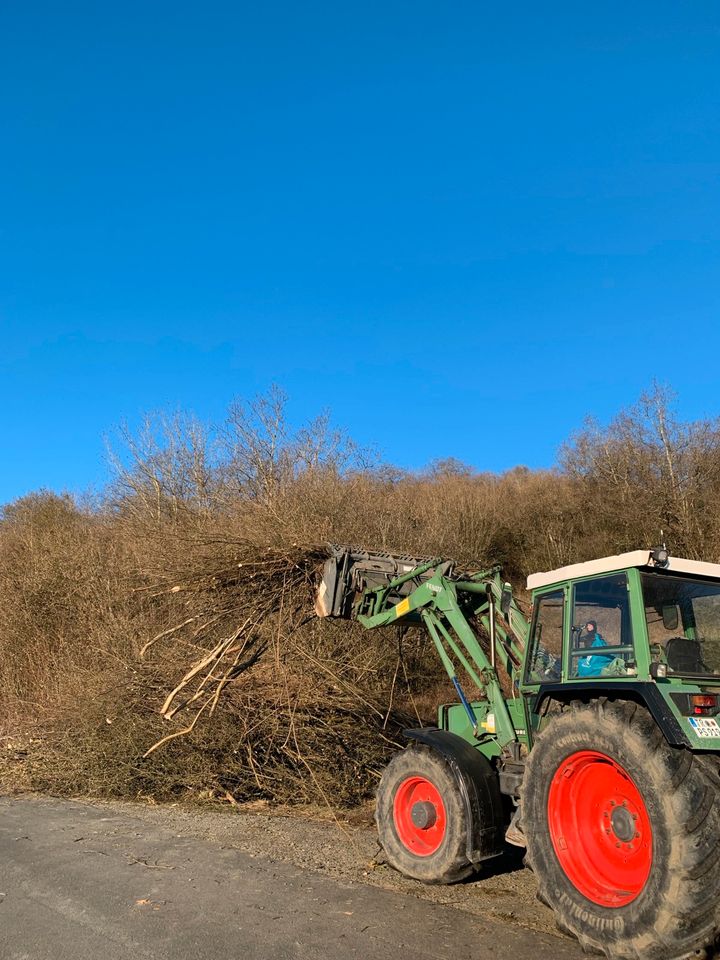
(705, 726)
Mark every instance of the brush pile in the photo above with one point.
(232, 689)
(305, 700)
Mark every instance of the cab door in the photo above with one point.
(544, 661)
(601, 638)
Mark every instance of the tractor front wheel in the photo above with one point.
(421, 818)
(623, 833)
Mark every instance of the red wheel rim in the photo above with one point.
(600, 828)
(419, 815)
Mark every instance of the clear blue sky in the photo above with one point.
(459, 226)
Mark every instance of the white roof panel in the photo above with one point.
(635, 558)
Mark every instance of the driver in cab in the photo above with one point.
(592, 665)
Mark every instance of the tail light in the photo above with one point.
(703, 704)
(697, 704)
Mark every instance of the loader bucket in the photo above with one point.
(349, 571)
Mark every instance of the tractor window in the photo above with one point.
(601, 639)
(683, 621)
(545, 661)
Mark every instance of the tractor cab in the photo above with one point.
(636, 620)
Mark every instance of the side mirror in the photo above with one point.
(670, 617)
(505, 599)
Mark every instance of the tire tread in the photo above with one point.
(689, 919)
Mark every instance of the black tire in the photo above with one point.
(448, 862)
(674, 911)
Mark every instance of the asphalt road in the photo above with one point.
(79, 882)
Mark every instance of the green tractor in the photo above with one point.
(591, 737)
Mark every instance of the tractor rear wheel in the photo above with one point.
(623, 833)
(421, 817)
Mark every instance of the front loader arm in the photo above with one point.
(500, 616)
(426, 594)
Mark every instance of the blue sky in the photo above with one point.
(460, 227)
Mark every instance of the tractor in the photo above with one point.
(587, 732)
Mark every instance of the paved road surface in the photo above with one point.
(79, 882)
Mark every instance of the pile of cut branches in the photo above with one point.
(310, 701)
(233, 611)
(196, 669)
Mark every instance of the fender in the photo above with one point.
(641, 692)
(479, 787)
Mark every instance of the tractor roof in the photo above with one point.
(635, 558)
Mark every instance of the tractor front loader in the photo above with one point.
(592, 737)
